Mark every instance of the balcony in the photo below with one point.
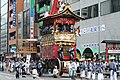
(13, 41)
(13, 29)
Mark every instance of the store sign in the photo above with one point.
(14, 13)
(92, 29)
(32, 12)
(13, 49)
(113, 51)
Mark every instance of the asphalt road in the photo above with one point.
(11, 76)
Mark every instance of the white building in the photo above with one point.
(101, 24)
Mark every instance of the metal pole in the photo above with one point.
(98, 29)
(0, 26)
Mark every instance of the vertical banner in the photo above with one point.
(14, 13)
(32, 19)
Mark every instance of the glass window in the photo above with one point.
(90, 12)
(72, 1)
(110, 6)
(26, 28)
(26, 4)
(24, 22)
(115, 5)
(4, 27)
(105, 7)
(3, 19)
(4, 9)
(3, 2)
(28, 17)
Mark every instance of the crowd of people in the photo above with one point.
(22, 67)
(92, 69)
(89, 69)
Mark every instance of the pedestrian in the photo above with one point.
(82, 69)
(89, 69)
(32, 65)
(23, 70)
(34, 73)
(100, 68)
(27, 68)
(70, 68)
(73, 70)
(39, 68)
(55, 72)
(113, 69)
(93, 69)
(17, 68)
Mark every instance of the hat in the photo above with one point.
(112, 57)
(89, 59)
(55, 67)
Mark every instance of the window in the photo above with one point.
(26, 28)
(90, 12)
(3, 2)
(4, 19)
(72, 1)
(110, 6)
(26, 4)
(4, 9)
(115, 5)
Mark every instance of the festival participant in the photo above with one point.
(34, 72)
(89, 69)
(93, 69)
(55, 72)
(39, 67)
(70, 68)
(83, 67)
(17, 68)
(100, 69)
(23, 66)
(113, 69)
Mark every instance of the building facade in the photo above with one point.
(3, 26)
(14, 7)
(101, 23)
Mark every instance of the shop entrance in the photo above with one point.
(87, 53)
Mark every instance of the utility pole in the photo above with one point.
(0, 26)
(98, 29)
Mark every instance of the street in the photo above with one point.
(11, 76)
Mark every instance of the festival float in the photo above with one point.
(58, 36)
